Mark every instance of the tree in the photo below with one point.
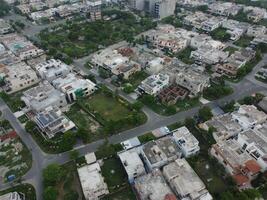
(137, 105)
(30, 126)
(4, 8)
(74, 154)
(52, 174)
(83, 134)
(190, 123)
(68, 141)
(71, 195)
(50, 193)
(205, 113)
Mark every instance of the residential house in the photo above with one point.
(186, 141)
(254, 142)
(20, 46)
(92, 182)
(132, 164)
(153, 84)
(19, 76)
(224, 125)
(172, 94)
(52, 121)
(42, 96)
(194, 81)
(152, 186)
(5, 27)
(74, 87)
(256, 30)
(234, 62)
(236, 161)
(160, 152)
(184, 181)
(53, 69)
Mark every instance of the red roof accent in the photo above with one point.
(170, 197)
(253, 166)
(10, 135)
(240, 179)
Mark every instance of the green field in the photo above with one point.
(109, 108)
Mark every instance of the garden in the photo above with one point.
(79, 39)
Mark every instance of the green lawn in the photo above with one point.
(244, 41)
(113, 173)
(79, 117)
(109, 108)
(162, 109)
(146, 137)
(123, 194)
(184, 55)
(231, 50)
(26, 189)
(137, 78)
(214, 183)
(13, 101)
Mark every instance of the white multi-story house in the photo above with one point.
(42, 96)
(192, 80)
(92, 182)
(154, 84)
(53, 69)
(52, 121)
(74, 87)
(186, 141)
(132, 164)
(254, 142)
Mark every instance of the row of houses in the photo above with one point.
(241, 142)
(59, 86)
(158, 170)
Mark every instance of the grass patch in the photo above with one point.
(174, 126)
(208, 174)
(108, 107)
(113, 173)
(243, 41)
(184, 55)
(125, 193)
(23, 119)
(231, 50)
(146, 138)
(137, 78)
(181, 105)
(220, 34)
(27, 189)
(114, 113)
(13, 101)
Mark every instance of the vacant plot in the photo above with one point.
(81, 118)
(108, 107)
(206, 171)
(123, 194)
(13, 101)
(244, 41)
(114, 174)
